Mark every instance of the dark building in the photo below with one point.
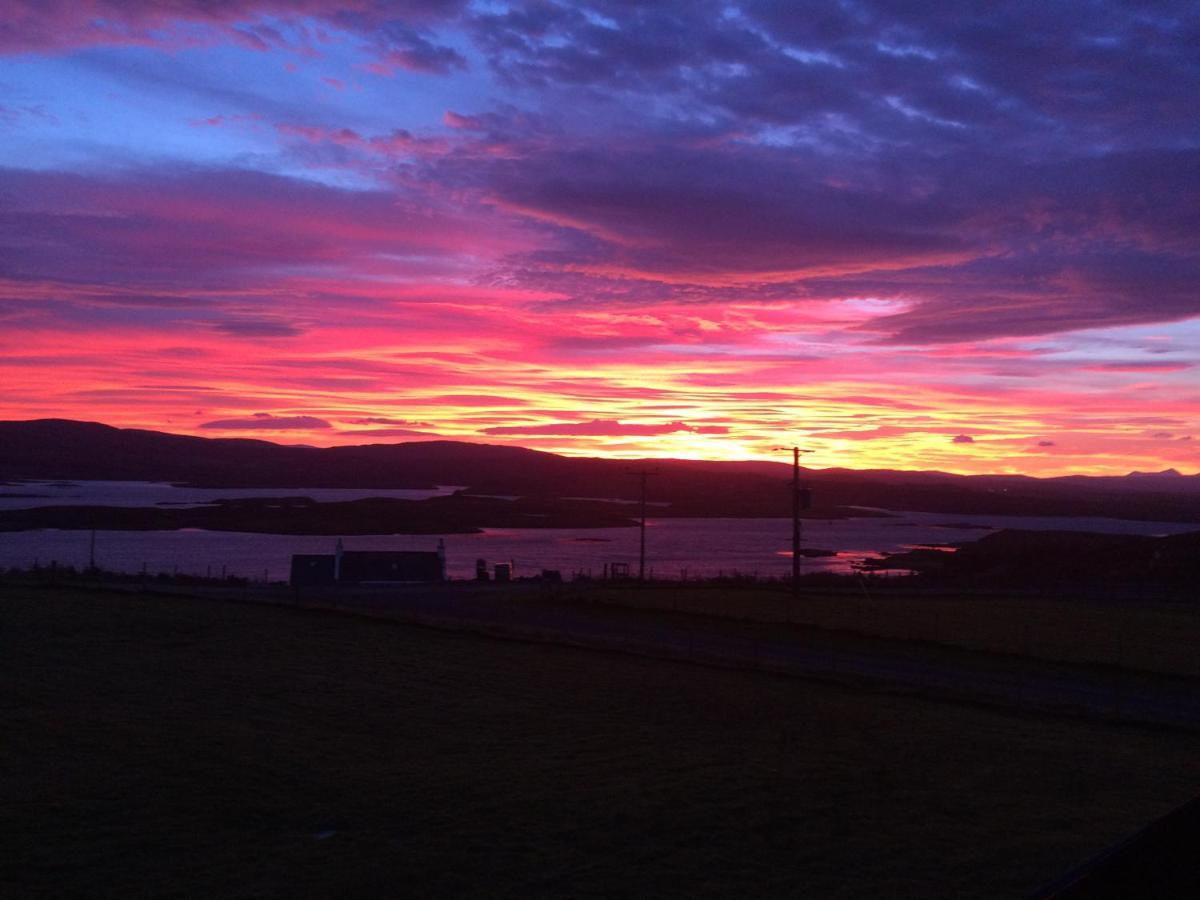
(369, 566)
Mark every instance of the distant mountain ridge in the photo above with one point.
(60, 449)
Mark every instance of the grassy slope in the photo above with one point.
(190, 748)
(1154, 637)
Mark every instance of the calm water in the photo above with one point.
(697, 547)
(29, 494)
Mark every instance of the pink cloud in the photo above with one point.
(467, 400)
(61, 25)
(464, 123)
(399, 142)
(598, 427)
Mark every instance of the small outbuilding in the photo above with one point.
(369, 566)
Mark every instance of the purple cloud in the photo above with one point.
(386, 432)
(199, 228)
(257, 327)
(394, 28)
(267, 422)
(884, 153)
(758, 224)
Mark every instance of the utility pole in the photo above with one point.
(642, 536)
(642, 473)
(797, 496)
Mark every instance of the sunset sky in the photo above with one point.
(896, 235)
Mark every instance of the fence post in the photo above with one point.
(1122, 642)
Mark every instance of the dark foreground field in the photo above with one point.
(172, 747)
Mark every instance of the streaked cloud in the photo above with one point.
(597, 427)
(267, 422)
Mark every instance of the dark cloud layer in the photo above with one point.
(1005, 170)
(186, 221)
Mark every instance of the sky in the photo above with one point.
(893, 236)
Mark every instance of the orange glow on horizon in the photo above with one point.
(505, 384)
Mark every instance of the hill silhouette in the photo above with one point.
(57, 449)
(1042, 557)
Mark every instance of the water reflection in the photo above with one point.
(675, 547)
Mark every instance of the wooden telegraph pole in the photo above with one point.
(642, 474)
(799, 501)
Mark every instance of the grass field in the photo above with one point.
(1151, 636)
(173, 747)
